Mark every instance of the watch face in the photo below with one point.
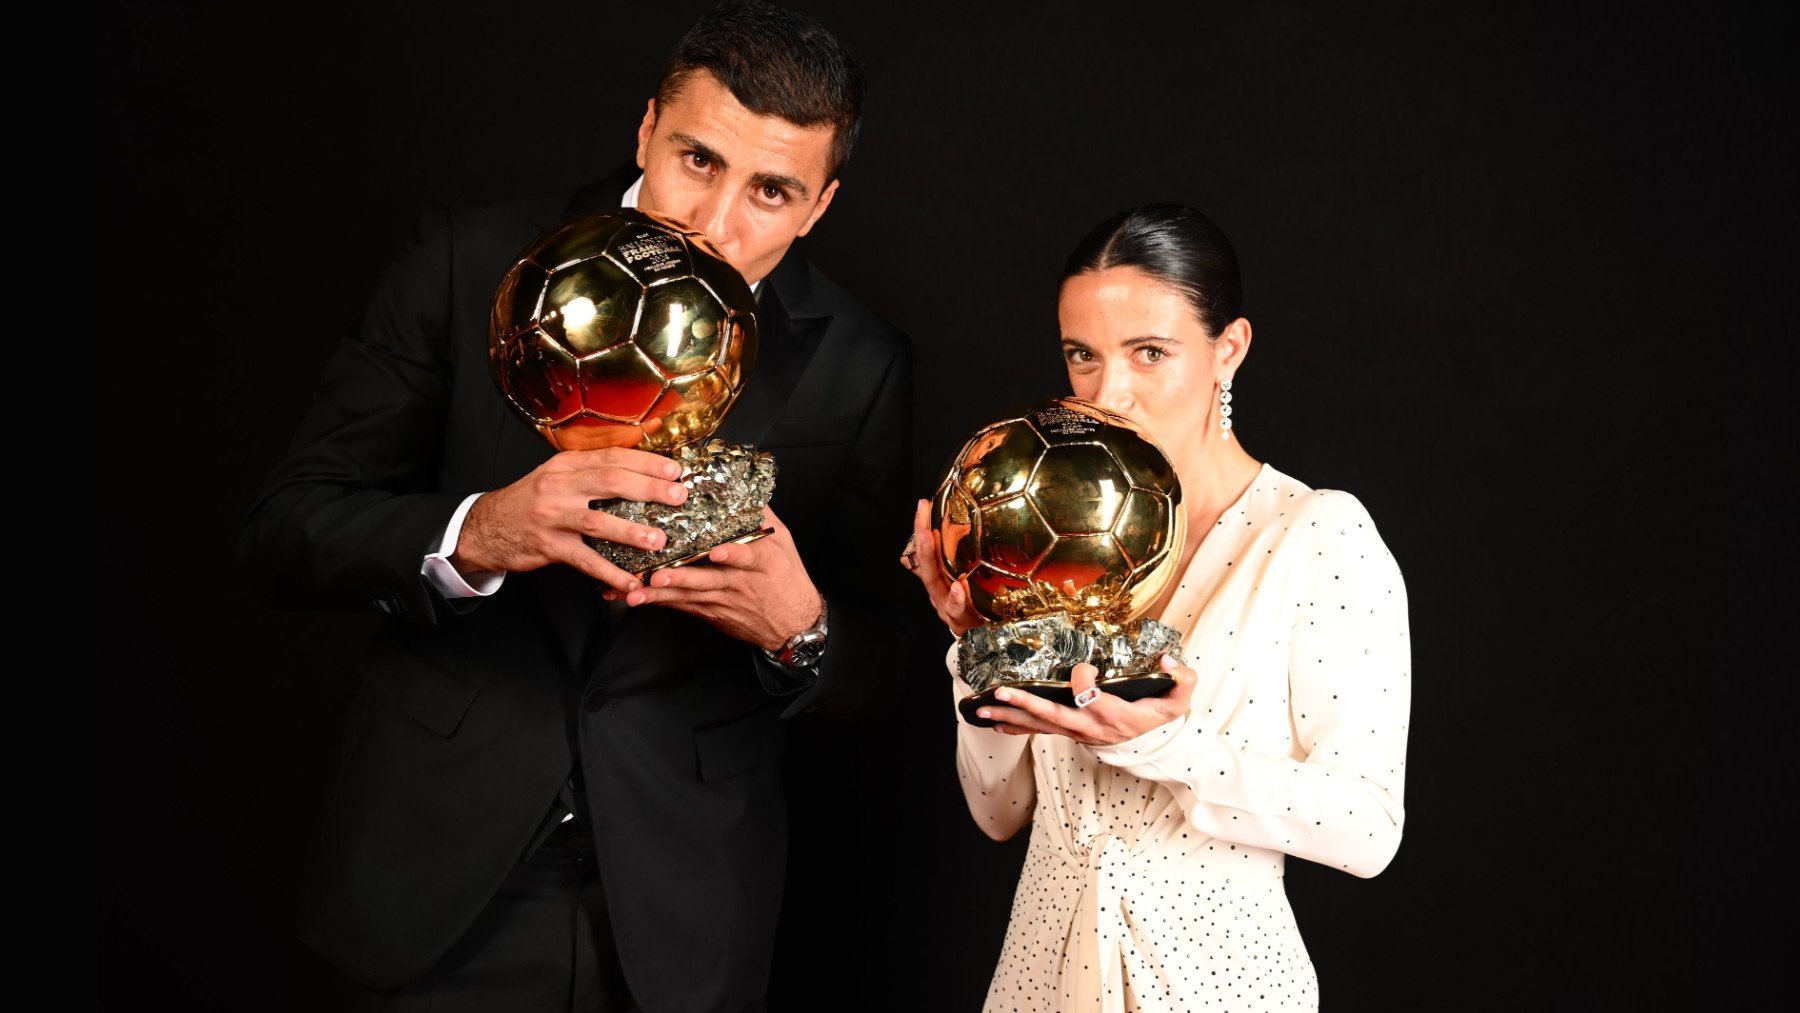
(806, 653)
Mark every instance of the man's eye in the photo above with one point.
(698, 160)
(774, 194)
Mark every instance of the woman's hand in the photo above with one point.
(951, 600)
(1104, 721)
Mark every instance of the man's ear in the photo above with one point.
(818, 211)
(645, 129)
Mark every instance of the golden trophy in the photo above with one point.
(1066, 521)
(628, 329)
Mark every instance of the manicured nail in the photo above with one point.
(983, 712)
(1003, 695)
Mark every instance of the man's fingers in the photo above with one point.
(680, 597)
(738, 555)
(641, 461)
(602, 525)
(623, 483)
(598, 567)
(691, 578)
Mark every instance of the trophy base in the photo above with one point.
(1038, 655)
(1130, 687)
(728, 487)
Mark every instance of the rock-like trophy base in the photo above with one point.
(728, 487)
(1037, 656)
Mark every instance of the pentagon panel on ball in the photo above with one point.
(1065, 522)
(660, 329)
(629, 329)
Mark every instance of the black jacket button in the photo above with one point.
(594, 700)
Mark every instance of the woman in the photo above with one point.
(1153, 880)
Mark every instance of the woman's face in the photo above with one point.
(1136, 346)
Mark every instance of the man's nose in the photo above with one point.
(712, 216)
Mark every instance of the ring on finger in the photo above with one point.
(908, 555)
(1087, 696)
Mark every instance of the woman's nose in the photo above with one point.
(1114, 393)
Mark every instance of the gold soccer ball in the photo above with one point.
(1063, 507)
(622, 329)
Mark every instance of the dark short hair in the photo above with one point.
(1177, 246)
(777, 63)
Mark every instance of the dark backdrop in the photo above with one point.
(1511, 269)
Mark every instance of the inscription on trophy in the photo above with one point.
(661, 251)
(1063, 422)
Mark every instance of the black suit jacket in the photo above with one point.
(471, 714)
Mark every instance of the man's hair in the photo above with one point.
(777, 63)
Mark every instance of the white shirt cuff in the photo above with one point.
(438, 569)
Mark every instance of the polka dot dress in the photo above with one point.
(1153, 880)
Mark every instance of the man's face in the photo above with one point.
(752, 183)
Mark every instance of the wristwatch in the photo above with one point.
(803, 649)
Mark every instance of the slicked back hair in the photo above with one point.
(777, 63)
(1177, 246)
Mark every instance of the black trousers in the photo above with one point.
(543, 945)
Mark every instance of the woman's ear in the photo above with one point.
(1230, 347)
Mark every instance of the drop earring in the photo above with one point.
(1224, 409)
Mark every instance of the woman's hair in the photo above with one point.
(1177, 246)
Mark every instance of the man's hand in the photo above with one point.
(757, 592)
(541, 518)
(1105, 721)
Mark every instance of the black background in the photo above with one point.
(1513, 271)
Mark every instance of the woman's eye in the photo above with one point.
(1154, 354)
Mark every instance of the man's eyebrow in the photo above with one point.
(701, 148)
(791, 184)
(788, 183)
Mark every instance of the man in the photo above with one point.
(558, 788)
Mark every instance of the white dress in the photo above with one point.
(1153, 880)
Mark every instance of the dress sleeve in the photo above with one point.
(994, 768)
(1349, 683)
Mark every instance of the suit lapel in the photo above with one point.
(789, 329)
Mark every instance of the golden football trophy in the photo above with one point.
(1066, 521)
(628, 329)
